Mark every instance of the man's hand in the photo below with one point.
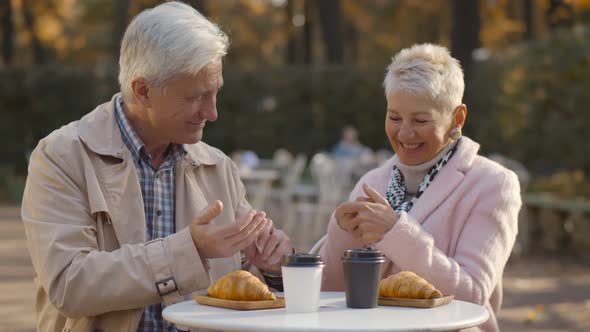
(215, 241)
(268, 249)
(367, 219)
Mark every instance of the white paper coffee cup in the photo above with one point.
(302, 282)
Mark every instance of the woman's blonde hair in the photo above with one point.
(428, 70)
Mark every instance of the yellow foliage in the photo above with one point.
(49, 28)
(565, 183)
(498, 29)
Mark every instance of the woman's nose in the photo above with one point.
(405, 131)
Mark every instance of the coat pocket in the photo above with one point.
(105, 233)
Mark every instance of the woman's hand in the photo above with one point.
(367, 219)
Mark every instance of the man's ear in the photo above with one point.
(141, 92)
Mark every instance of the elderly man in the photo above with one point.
(126, 210)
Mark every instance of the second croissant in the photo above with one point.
(407, 284)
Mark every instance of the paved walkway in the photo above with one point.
(16, 275)
(547, 295)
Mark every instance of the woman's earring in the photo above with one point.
(456, 133)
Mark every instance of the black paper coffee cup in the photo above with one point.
(362, 273)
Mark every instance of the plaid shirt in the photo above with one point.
(157, 189)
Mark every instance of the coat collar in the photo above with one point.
(465, 155)
(447, 180)
(100, 132)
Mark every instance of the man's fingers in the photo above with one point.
(241, 223)
(249, 239)
(374, 195)
(250, 252)
(283, 248)
(263, 238)
(271, 245)
(257, 224)
(205, 216)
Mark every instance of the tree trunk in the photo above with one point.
(330, 20)
(529, 20)
(291, 56)
(7, 31)
(351, 36)
(200, 5)
(308, 33)
(122, 17)
(299, 37)
(465, 33)
(37, 47)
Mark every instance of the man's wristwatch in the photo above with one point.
(273, 280)
(272, 275)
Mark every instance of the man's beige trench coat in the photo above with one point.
(84, 218)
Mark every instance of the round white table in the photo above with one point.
(332, 316)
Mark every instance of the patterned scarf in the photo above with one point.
(396, 191)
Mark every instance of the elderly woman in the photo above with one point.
(436, 208)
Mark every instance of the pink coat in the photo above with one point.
(458, 235)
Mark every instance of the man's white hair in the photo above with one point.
(427, 70)
(169, 39)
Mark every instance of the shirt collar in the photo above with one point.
(134, 143)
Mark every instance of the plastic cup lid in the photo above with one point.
(364, 254)
(302, 259)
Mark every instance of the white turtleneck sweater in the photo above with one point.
(414, 174)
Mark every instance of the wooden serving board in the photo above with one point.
(239, 305)
(415, 303)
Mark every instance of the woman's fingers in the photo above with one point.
(374, 195)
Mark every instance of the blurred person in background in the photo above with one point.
(353, 159)
(249, 159)
(349, 146)
(436, 208)
(127, 210)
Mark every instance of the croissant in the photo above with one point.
(240, 286)
(407, 284)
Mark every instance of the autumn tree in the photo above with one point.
(122, 16)
(465, 33)
(330, 20)
(7, 31)
(36, 46)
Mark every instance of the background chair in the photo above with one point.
(318, 245)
